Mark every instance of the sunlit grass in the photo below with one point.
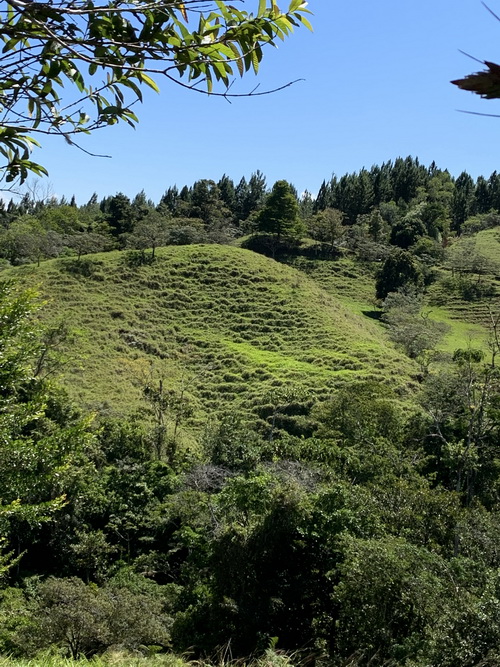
(111, 659)
(488, 245)
(460, 334)
(223, 325)
(271, 658)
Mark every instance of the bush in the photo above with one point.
(82, 619)
(14, 616)
(467, 288)
(135, 258)
(82, 267)
(474, 290)
(399, 270)
(185, 235)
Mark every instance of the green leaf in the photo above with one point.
(305, 23)
(238, 60)
(144, 78)
(255, 59)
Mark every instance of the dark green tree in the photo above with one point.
(399, 270)
(227, 192)
(306, 205)
(482, 198)
(168, 202)
(250, 195)
(280, 215)
(381, 183)
(140, 207)
(256, 192)
(118, 210)
(463, 200)
(324, 198)
(207, 203)
(494, 190)
(407, 231)
(407, 175)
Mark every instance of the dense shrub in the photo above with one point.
(83, 619)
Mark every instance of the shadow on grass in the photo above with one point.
(373, 314)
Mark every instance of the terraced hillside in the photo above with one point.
(464, 301)
(466, 294)
(352, 282)
(222, 327)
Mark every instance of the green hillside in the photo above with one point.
(224, 326)
(278, 444)
(352, 283)
(465, 295)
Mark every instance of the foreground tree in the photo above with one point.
(47, 46)
(43, 441)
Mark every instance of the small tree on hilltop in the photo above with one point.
(326, 226)
(150, 232)
(280, 215)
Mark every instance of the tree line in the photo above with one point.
(400, 203)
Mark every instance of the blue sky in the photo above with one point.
(376, 86)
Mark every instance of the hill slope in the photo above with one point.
(220, 325)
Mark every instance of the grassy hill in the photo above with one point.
(353, 283)
(452, 298)
(221, 326)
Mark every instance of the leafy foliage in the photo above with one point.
(82, 619)
(280, 214)
(399, 270)
(106, 52)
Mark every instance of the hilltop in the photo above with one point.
(225, 326)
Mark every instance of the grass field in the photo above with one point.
(353, 284)
(226, 329)
(469, 319)
(222, 326)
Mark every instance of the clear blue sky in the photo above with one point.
(376, 86)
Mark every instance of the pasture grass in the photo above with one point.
(229, 329)
(225, 327)
(488, 245)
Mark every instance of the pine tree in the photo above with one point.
(280, 215)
